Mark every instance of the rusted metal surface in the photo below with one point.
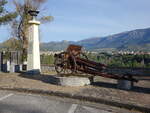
(73, 60)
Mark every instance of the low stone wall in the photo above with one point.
(117, 70)
(45, 68)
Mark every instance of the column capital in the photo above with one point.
(34, 22)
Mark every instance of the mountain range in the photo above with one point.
(136, 40)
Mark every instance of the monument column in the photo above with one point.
(33, 57)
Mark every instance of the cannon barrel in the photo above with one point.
(72, 60)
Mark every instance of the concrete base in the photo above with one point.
(125, 84)
(72, 81)
(33, 72)
(12, 67)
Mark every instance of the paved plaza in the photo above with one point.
(11, 102)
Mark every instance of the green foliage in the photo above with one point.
(131, 61)
(127, 60)
(5, 16)
(47, 59)
(6, 55)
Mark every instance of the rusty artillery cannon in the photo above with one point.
(73, 60)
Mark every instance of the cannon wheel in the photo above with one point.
(58, 65)
(84, 56)
(73, 64)
(65, 65)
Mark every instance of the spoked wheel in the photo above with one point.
(64, 65)
(59, 65)
(83, 67)
(72, 64)
(67, 68)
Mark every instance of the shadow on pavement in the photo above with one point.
(41, 77)
(114, 86)
(52, 79)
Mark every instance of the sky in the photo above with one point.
(81, 19)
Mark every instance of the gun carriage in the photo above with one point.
(73, 60)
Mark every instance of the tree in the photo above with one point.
(6, 16)
(12, 44)
(20, 25)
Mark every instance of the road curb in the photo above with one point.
(83, 98)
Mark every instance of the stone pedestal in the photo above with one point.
(12, 67)
(125, 84)
(33, 60)
(20, 67)
(72, 81)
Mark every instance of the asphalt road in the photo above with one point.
(11, 102)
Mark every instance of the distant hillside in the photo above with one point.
(54, 46)
(137, 39)
(131, 40)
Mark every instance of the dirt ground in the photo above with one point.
(101, 88)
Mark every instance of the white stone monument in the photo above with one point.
(33, 58)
